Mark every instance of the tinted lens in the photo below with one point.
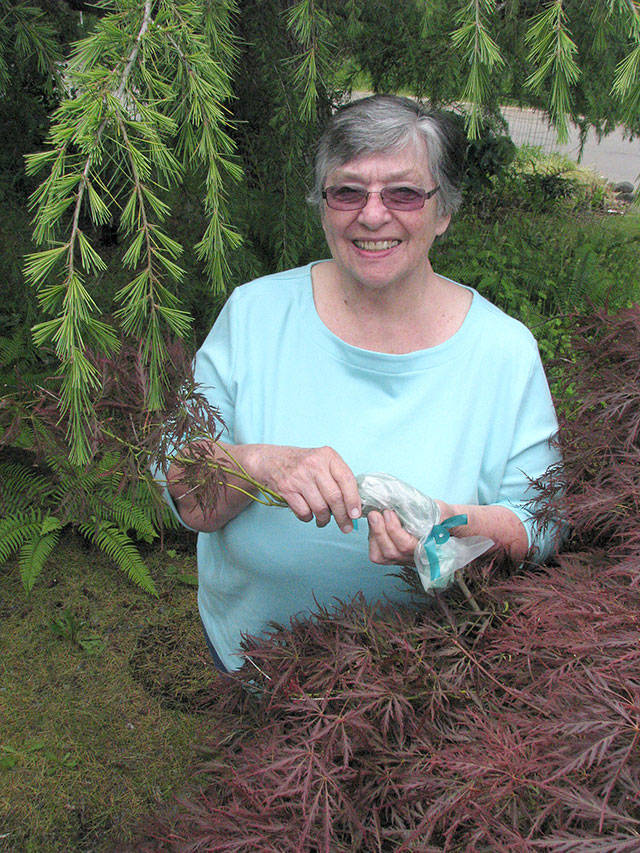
(403, 198)
(346, 198)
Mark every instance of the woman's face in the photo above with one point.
(376, 247)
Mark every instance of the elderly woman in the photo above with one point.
(368, 361)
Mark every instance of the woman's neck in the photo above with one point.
(399, 319)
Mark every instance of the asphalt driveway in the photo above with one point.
(614, 156)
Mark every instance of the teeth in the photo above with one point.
(376, 245)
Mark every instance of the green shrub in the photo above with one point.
(540, 267)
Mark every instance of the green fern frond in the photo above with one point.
(119, 548)
(36, 550)
(149, 497)
(20, 487)
(16, 529)
(13, 349)
(73, 478)
(129, 516)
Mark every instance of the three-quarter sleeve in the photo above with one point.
(213, 370)
(532, 451)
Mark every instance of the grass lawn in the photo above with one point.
(98, 688)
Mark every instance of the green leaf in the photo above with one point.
(100, 213)
(15, 529)
(128, 514)
(92, 644)
(23, 487)
(38, 160)
(8, 759)
(129, 216)
(49, 524)
(34, 554)
(178, 321)
(552, 50)
(132, 255)
(176, 272)
(188, 580)
(46, 331)
(119, 547)
(172, 246)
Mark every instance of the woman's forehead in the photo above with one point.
(408, 162)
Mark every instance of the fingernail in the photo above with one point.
(346, 528)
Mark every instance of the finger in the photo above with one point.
(298, 505)
(337, 485)
(381, 549)
(334, 500)
(376, 539)
(389, 543)
(345, 478)
(403, 541)
(319, 504)
(315, 498)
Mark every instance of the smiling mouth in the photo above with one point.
(376, 245)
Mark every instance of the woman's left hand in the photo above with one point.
(389, 542)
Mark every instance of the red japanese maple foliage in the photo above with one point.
(516, 728)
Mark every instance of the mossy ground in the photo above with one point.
(99, 691)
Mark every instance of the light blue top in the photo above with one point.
(467, 421)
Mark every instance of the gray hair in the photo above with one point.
(388, 123)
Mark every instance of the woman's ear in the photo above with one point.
(442, 224)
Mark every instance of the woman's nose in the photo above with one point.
(374, 212)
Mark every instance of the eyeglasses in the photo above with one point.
(394, 198)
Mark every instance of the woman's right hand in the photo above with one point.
(315, 482)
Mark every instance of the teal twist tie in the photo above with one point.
(438, 536)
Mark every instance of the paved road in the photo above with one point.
(614, 157)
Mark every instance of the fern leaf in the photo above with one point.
(15, 529)
(50, 524)
(150, 499)
(131, 517)
(75, 478)
(20, 487)
(35, 551)
(13, 349)
(119, 548)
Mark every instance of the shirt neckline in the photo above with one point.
(386, 362)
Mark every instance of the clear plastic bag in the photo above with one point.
(437, 554)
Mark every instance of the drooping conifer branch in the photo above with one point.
(168, 74)
(553, 51)
(310, 26)
(626, 84)
(25, 30)
(113, 142)
(480, 53)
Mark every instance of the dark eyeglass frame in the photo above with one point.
(361, 202)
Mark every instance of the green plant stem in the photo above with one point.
(279, 502)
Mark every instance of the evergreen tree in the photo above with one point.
(218, 102)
